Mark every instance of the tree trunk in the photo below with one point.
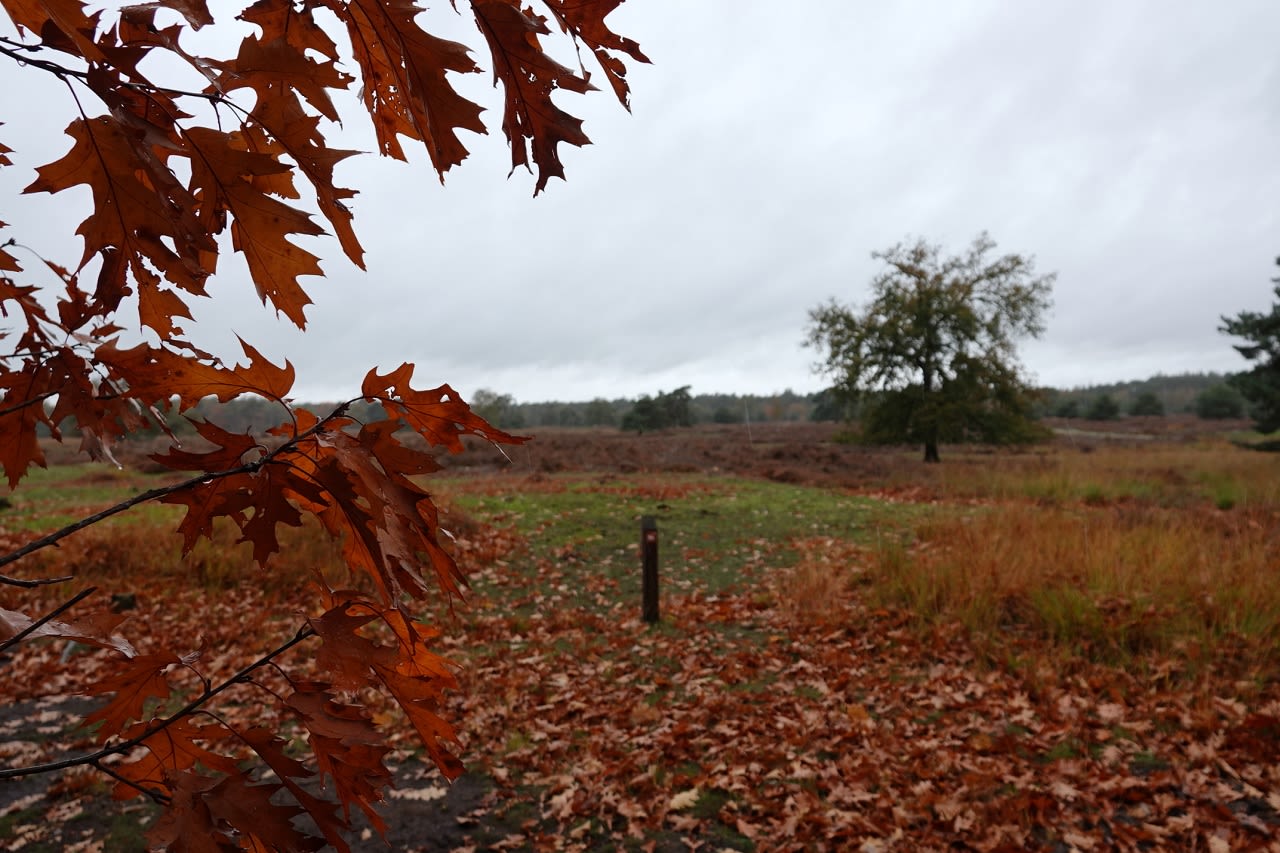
(931, 426)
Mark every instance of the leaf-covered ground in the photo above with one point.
(775, 706)
(739, 727)
(757, 718)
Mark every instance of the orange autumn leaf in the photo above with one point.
(179, 158)
(134, 683)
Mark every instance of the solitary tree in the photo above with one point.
(1261, 384)
(184, 156)
(645, 414)
(675, 407)
(931, 357)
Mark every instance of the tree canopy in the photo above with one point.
(1261, 384)
(931, 357)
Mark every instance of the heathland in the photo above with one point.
(1073, 645)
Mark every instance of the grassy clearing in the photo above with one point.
(715, 533)
(1108, 554)
(802, 624)
(53, 497)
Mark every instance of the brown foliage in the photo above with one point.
(169, 171)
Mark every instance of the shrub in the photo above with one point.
(1067, 409)
(1103, 408)
(1147, 404)
(1219, 402)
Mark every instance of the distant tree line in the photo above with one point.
(666, 411)
(661, 410)
(1157, 396)
(1209, 395)
(1206, 395)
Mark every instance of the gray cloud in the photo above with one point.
(1131, 147)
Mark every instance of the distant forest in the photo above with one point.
(1172, 395)
(1184, 393)
(1175, 395)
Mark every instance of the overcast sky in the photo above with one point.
(1133, 148)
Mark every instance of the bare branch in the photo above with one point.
(57, 611)
(142, 497)
(21, 53)
(39, 398)
(92, 759)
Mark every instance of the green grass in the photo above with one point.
(1222, 489)
(1064, 750)
(50, 498)
(1144, 763)
(713, 532)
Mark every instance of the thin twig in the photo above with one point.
(151, 494)
(143, 497)
(39, 398)
(157, 797)
(28, 584)
(60, 609)
(19, 52)
(92, 759)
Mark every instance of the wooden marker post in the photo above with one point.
(649, 557)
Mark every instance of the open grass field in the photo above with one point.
(1075, 646)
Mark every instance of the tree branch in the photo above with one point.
(151, 494)
(39, 398)
(143, 497)
(15, 50)
(60, 609)
(93, 758)
(156, 796)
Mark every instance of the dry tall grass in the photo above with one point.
(145, 556)
(1184, 474)
(1111, 554)
(816, 588)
